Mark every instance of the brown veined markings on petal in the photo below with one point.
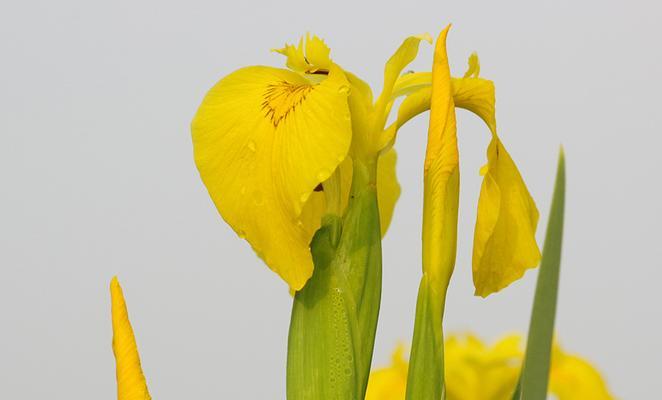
(282, 98)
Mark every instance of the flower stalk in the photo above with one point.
(334, 317)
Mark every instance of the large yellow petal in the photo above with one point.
(131, 384)
(573, 378)
(441, 175)
(263, 139)
(504, 238)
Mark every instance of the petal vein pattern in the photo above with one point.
(263, 139)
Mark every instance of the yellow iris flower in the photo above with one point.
(266, 140)
(268, 143)
(131, 384)
(476, 371)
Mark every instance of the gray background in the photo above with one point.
(97, 179)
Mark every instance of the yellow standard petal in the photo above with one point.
(131, 384)
(264, 138)
(441, 175)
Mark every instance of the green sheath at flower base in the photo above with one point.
(334, 317)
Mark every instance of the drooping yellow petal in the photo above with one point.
(389, 383)
(504, 238)
(441, 175)
(507, 217)
(573, 378)
(476, 95)
(263, 139)
(131, 384)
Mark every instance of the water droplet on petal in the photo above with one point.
(241, 233)
(304, 197)
(343, 89)
(251, 146)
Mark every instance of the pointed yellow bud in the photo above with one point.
(441, 175)
(131, 384)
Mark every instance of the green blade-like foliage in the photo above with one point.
(535, 373)
(334, 317)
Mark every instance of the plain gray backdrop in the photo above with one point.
(97, 179)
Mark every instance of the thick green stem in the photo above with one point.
(334, 317)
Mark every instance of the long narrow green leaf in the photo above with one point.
(535, 372)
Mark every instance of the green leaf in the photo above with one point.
(334, 317)
(535, 372)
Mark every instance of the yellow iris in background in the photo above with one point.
(477, 371)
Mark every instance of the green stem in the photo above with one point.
(334, 317)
